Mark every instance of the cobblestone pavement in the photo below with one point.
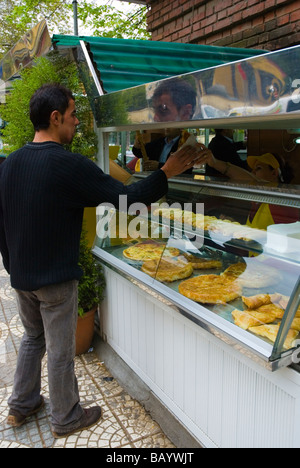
(125, 423)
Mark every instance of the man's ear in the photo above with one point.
(54, 117)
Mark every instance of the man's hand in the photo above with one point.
(182, 160)
(207, 157)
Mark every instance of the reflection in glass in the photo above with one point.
(264, 85)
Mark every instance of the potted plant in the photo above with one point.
(91, 289)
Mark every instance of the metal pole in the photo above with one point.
(75, 17)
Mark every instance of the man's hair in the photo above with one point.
(45, 100)
(181, 92)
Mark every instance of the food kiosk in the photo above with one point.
(201, 306)
(222, 359)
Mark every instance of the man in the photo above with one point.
(225, 149)
(158, 150)
(43, 191)
(267, 169)
(174, 100)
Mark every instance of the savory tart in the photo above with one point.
(144, 251)
(271, 309)
(253, 302)
(168, 269)
(271, 332)
(296, 324)
(210, 289)
(203, 263)
(249, 318)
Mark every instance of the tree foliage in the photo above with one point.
(54, 69)
(17, 17)
(108, 21)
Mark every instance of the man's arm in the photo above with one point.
(89, 186)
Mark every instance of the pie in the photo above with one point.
(250, 318)
(253, 302)
(168, 269)
(253, 275)
(199, 221)
(224, 227)
(235, 270)
(202, 263)
(271, 331)
(271, 309)
(144, 251)
(282, 301)
(296, 324)
(210, 289)
(175, 214)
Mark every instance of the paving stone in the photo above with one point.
(125, 423)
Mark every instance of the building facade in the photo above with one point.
(262, 24)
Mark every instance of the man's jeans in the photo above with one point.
(49, 317)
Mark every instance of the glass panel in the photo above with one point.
(242, 273)
(131, 238)
(229, 245)
(206, 264)
(257, 86)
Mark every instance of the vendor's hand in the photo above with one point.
(182, 160)
(150, 165)
(206, 156)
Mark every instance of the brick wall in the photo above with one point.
(263, 24)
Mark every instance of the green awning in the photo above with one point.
(125, 63)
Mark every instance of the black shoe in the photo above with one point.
(90, 417)
(17, 419)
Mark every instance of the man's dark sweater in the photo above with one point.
(43, 192)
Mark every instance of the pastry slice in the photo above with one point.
(149, 251)
(253, 302)
(168, 269)
(250, 318)
(235, 270)
(271, 309)
(283, 302)
(296, 324)
(271, 332)
(200, 263)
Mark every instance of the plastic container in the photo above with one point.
(284, 237)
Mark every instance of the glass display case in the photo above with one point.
(198, 249)
(222, 252)
(203, 291)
